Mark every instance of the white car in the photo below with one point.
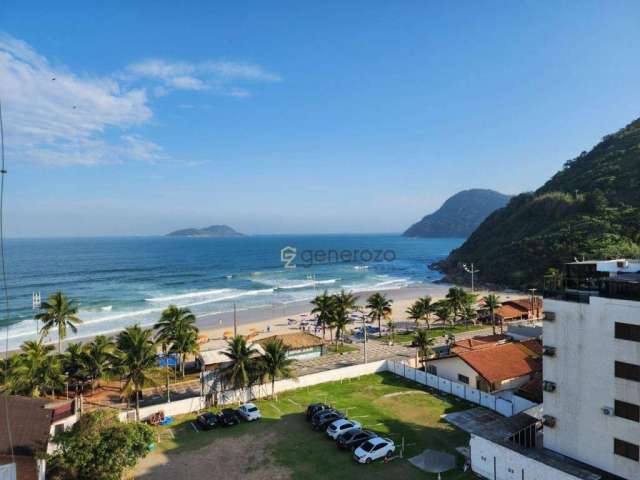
(374, 449)
(249, 412)
(340, 426)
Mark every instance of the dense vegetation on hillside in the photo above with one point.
(459, 215)
(590, 209)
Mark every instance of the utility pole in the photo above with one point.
(36, 303)
(364, 329)
(533, 301)
(235, 322)
(472, 271)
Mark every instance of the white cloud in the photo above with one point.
(54, 116)
(220, 77)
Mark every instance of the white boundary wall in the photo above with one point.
(504, 406)
(495, 462)
(8, 471)
(195, 404)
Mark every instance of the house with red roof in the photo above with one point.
(490, 366)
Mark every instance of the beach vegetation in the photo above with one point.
(135, 361)
(274, 364)
(58, 312)
(424, 342)
(492, 303)
(379, 308)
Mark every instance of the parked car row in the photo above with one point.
(228, 417)
(366, 446)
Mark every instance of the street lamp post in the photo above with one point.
(471, 269)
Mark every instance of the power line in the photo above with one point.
(3, 172)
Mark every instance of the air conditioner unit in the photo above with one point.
(548, 351)
(548, 386)
(549, 421)
(550, 316)
(607, 410)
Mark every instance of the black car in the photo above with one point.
(324, 419)
(228, 417)
(353, 439)
(207, 421)
(319, 413)
(315, 408)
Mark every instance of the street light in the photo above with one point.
(470, 269)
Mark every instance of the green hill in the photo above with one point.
(459, 215)
(590, 209)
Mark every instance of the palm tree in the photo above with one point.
(415, 312)
(31, 372)
(136, 361)
(323, 308)
(344, 303)
(424, 342)
(379, 307)
(275, 364)
(185, 343)
(443, 311)
(469, 314)
(457, 298)
(52, 376)
(99, 359)
(74, 365)
(427, 309)
(492, 302)
(59, 312)
(242, 369)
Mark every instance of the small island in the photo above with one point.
(211, 231)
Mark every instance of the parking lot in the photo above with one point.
(282, 445)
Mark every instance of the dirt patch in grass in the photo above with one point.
(397, 394)
(230, 458)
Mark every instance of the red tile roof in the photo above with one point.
(532, 390)
(503, 362)
(507, 311)
(475, 343)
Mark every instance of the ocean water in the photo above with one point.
(122, 281)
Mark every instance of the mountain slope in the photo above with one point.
(590, 209)
(212, 231)
(459, 215)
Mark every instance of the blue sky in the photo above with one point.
(298, 117)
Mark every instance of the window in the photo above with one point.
(627, 410)
(627, 331)
(626, 449)
(463, 379)
(628, 371)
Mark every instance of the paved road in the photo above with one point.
(376, 350)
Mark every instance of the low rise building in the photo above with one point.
(490, 366)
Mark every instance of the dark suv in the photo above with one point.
(228, 417)
(315, 408)
(207, 421)
(353, 439)
(323, 419)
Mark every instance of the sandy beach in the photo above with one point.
(267, 320)
(275, 320)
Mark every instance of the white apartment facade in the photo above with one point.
(592, 383)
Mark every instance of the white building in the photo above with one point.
(593, 392)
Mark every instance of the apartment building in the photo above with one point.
(591, 367)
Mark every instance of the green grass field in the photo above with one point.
(407, 337)
(384, 403)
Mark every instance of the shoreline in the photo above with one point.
(273, 319)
